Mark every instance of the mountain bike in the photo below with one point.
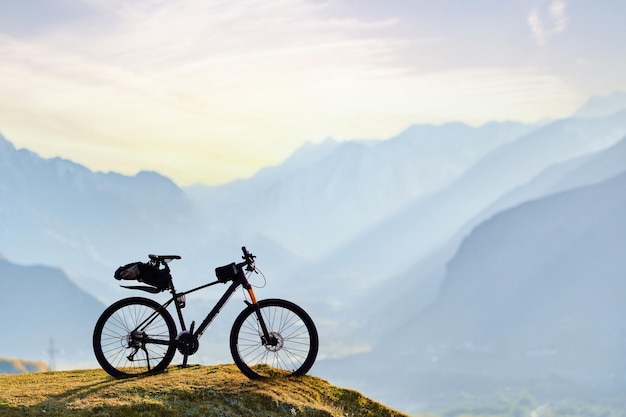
(138, 336)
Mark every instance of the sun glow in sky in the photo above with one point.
(207, 91)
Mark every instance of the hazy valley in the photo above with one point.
(446, 250)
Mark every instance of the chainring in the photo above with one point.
(187, 342)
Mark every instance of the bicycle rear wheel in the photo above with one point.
(134, 336)
(294, 344)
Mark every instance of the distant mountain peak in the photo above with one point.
(4, 142)
(6, 148)
(308, 146)
(602, 106)
(154, 179)
(17, 160)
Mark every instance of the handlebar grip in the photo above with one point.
(247, 255)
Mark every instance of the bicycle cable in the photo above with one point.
(264, 278)
(245, 293)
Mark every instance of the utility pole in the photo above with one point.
(52, 351)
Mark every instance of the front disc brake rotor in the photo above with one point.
(280, 342)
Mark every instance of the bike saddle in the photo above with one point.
(163, 257)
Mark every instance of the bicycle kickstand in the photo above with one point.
(185, 356)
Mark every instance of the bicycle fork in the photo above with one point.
(266, 338)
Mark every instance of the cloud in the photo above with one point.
(148, 74)
(211, 90)
(547, 21)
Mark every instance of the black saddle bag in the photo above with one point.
(144, 272)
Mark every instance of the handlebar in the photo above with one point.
(248, 259)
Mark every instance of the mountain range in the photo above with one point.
(533, 292)
(444, 249)
(45, 315)
(18, 366)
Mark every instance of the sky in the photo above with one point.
(208, 91)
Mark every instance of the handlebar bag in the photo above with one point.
(226, 273)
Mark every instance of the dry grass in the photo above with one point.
(195, 391)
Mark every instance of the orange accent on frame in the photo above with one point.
(252, 297)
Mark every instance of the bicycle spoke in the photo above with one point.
(292, 344)
(125, 335)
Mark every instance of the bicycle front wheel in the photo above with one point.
(293, 343)
(134, 336)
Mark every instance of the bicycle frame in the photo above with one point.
(240, 279)
(216, 309)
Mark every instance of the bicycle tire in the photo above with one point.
(113, 342)
(290, 324)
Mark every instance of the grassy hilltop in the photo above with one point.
(196, 391)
